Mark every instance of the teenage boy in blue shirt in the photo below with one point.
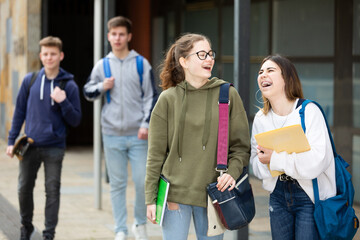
(47, 111)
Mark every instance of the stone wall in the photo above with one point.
(20, 31)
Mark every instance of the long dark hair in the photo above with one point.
(293, 89)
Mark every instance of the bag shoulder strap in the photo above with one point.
(62, 84)
(302, 116)
(106, 65)
(107, 72)
(140, 69)
(300, 101)
(222, 149)
(33, 77)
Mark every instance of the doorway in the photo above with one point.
(72, 22)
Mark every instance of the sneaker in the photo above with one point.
(139, 232)
(120, 236)
(26, 233)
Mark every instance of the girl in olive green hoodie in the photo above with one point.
(183, 138)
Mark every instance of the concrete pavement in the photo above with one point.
(78, 218)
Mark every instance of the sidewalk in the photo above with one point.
(78, 218)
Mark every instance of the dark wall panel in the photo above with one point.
(72, 21)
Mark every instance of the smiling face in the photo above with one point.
(194, 68)
(119, 38)
(270, 80)
(51, 57)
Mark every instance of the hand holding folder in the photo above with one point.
(289, 139)
(163, 190)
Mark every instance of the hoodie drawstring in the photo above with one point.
(208, 112)
(51, 91)
(182, 122)
(42, 89)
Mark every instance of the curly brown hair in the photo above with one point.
(172, 72)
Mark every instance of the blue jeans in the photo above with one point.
(291, 213)
(177, 222)
(118, 151)
(28, 169)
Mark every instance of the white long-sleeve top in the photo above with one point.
(318, 162)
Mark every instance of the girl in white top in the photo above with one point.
(291, 195)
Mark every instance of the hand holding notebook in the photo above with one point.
(163, 190)
(289, 139)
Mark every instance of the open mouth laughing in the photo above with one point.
(266, 84)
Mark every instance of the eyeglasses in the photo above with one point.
(202, 55)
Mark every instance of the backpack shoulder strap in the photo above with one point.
(140, 69)
(33, 77)
(302, 116)
(301, 100)
(139, 66)
(106, 65)
(62, 84)
(107, 72)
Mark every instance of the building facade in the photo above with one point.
(321, 37)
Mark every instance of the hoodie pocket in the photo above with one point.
(41, 132)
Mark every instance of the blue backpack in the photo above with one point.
(139, 66)
(335, 217)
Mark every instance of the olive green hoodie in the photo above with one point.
(183, 141)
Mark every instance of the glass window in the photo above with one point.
(356, 27)
(158, 45)
(259, 37)
(170, 28)
(356, 167)
(214, 72)
(204, 22)
(255, 95)
(259, 46)
(318, 84)
(356, 96)
(297, 22)
(228, 72)
(227, 44)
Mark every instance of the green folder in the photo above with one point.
(163, 190)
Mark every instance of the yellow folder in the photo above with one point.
(289, 139)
